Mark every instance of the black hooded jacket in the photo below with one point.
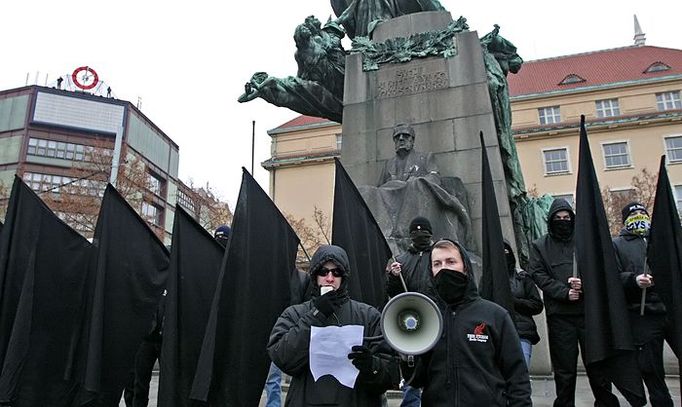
(631, 254)
(289, 343)
(416, 270)
(551, 265)
(478, 360)
(527, 301)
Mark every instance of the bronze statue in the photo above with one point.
(317, 90)
(360, 17)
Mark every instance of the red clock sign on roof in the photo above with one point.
(85, 77)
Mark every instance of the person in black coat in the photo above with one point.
(478, 360)
(649, 328)
(289, 344)
(551, 267)
(527, 302)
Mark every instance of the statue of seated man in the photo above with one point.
(410, 185)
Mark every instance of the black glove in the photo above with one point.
(363, 359)
(326, 303)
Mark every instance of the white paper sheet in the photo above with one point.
(329, 349)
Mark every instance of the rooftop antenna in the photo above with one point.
(27, 74)
(640, 37)
(139, 103)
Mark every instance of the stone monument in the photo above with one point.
(444, 99)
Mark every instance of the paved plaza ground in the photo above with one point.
(543, 393)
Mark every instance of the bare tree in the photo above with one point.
(4, 199)
(311, 236)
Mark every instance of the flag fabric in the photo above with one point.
(665, 258)
(609, 344)
(494, 285)
(195, 261)
(252, 290)
(126, 279)
(42, 271)
(355, 229)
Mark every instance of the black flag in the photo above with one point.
(251, 292)
(494, 284)
(194, 265)
(42, 271)
(125, 282)
(665, 258)
(354, 229)
(609, 345)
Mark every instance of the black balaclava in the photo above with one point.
(451, 285)
(420, 233)
(511, 259)
(561, 229)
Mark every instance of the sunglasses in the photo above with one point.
(322, 272)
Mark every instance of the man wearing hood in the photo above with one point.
(415, 268)
(648, 328)
(478, 360)
(551, 266)
(527, 302)
(289, 345)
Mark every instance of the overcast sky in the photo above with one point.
(188, 61)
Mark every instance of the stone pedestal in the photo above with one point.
(445, 100)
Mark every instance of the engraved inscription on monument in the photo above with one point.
(409, 81)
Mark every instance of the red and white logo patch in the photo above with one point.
(479, 334)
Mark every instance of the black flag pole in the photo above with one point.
(610, 349)
(665, 258)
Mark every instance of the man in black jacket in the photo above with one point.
(478, 360)
(415, 269)
(527, 302)
(289, 345)
(551, 266)
(648, 328)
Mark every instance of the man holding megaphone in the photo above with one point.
(477, 361)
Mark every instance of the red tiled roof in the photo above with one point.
(597, 68)
(302, 121)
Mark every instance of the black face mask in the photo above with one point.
(511, 261)
(562, 228)
(421, 239)
(451, 285)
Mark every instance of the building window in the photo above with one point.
(678, 197)
(549, 115)
(58, 149)
(339, 141)
(58, 184)
(155, 183)
(185, 201)
(571, 78)
(567, 197)
(152, 213)
(616, 155)
(657, 67)
(556, 161)
(668, 100)
(623, 195)
(607, 108)
(673, 149)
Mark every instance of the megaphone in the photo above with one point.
(411, 323)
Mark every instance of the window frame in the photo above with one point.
(569, 169)
(556, 113)
(615, 111)
(668, 158)
(627, 154)
(675, 101)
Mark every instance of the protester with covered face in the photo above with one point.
(478, 360)
(648, 323)
(527, 302)
(415, 268)
(551, 267)
(290, 341)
